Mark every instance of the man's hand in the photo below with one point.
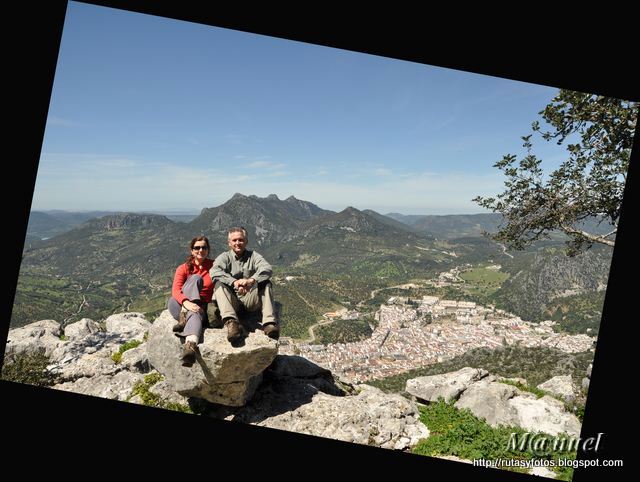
(243, 286)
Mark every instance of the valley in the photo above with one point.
(323, 262)
(431, 331)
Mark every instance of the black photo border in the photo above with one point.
(42, 425)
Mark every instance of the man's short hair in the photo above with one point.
(238, 229)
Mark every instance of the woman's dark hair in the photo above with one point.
(190, 259)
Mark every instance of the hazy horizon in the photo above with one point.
(196, 211)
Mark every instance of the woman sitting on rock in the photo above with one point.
(192, 291)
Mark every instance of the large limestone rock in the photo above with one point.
(40, 337)
(370, 417)
(295, 395)
(561, 386)
(167, 394)
(116, 387)
(131, 325)
(222, 374)
(85, 366)
(490, 400)
(71, 350)
(302, 397)
(497, 403)
(80, 329)
(90, 355)
(545, 414)
(136, 359)
(447, 385)
(501, 404)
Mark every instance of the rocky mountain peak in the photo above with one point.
(268, 220)
(355, 218)
(128, 220)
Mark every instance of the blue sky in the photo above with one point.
(154, 114)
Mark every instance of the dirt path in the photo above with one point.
(84, 302)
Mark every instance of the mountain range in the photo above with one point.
(468, 225)
(126, 261)
(450, 226)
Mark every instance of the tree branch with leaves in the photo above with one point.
(598, 133)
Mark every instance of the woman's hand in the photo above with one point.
(191, 306)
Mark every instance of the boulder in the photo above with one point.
(41, 337)
(80, 329)
(300, 396)
(115, 387)
(545, 415)
(490, 400)
(222, 373)
(447, 385)
(561, 386)
(132, 325)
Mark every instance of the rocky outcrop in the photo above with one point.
(496, 402)
(85, 365)
(132, 325)
(90, 356)
(489, 399)
(448, 386)
(283, 392)
(116, 387)
(368, 417)
(222, 374)
(300, 396)
(545, 414)
(128, 220)
(136, 359)
(561, 386)
(40, 337)
(80, 329)
(584, 385)
(82, 360)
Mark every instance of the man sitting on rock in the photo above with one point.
(243, 281)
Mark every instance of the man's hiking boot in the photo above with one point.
(182, 321)
(271, 330)
(234, 330)
(189, 354)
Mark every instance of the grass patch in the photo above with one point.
(150, 399)
(28, 368)
(462, 434)
(117, 357)
(526, 388)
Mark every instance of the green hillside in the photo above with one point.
(126, 262)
